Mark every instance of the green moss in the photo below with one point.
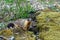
(48, 22)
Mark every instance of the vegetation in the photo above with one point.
(12, 10)
(48, 22)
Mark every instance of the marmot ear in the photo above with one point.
(26, 25)
(10, 25)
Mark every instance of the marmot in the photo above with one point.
(22, 23)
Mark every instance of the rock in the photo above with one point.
(36, 5)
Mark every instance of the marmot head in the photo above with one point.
(22, 23)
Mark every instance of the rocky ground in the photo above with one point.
(45, 19)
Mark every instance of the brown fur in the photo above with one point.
(23, 23)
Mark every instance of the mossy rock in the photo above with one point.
(19, 34)
(49, 24)
(24, 36)
(6, 33)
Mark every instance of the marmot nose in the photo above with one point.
(10, 25)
